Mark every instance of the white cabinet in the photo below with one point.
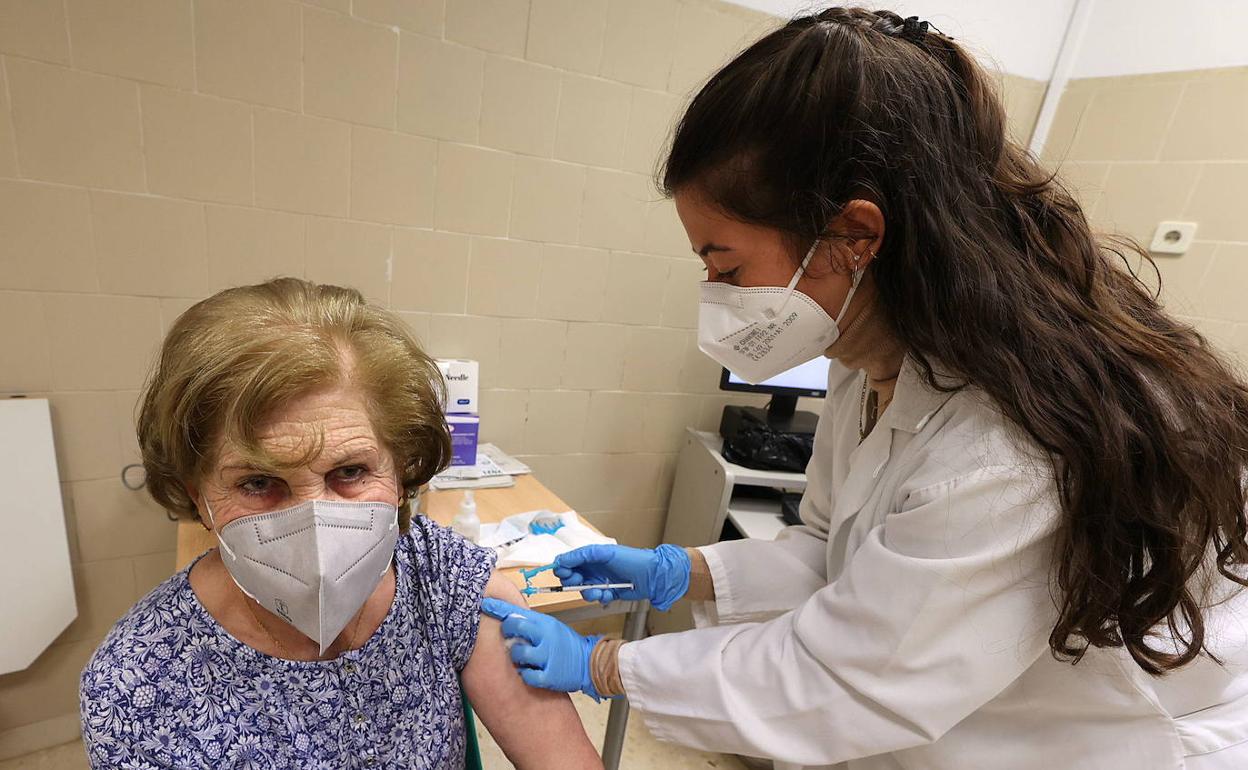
(707, 491)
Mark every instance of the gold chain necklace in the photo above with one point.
(281, 648)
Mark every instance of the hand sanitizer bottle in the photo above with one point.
(466, 522)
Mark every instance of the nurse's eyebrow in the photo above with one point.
(708, 248)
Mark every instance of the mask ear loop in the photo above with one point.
(855, 280)
(220, 541)
(801, 270)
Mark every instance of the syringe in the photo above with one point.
(530, 590)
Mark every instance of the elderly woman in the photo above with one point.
(330, 629)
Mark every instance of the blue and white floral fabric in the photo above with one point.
(170, 688)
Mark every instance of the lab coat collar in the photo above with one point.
(914, 401)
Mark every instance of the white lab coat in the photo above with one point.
(906, 624)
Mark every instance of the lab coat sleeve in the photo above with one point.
(941, 607)
(760, 579)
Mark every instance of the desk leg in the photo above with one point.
(617, 718)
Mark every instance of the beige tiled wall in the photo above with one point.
(482, 167)
(1170, 146)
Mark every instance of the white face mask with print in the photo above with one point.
(314, 564)
(758, 332)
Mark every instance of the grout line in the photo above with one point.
(138, 96)
(303, 52)
(69, 37)
(194, 51)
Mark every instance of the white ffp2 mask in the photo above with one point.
(758, 332)
(314, 564)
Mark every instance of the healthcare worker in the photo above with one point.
(1024, 521)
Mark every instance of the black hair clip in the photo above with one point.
(913, 29)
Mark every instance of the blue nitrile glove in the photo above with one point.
(547, 653)
(661, 575)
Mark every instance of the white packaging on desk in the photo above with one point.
(517, 547)
(462, 377)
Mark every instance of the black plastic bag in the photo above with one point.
(768, 450)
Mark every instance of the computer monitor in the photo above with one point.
(810, 379)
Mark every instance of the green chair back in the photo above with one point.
(472, 756)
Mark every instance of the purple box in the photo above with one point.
(464, 430)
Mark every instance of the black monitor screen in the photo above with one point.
(809, 379)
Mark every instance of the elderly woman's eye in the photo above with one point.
(351, 473)
(257, 485)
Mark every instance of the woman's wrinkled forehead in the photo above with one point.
(321, 431)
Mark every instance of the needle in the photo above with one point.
(530, 590)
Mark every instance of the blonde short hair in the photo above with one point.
(233, 359)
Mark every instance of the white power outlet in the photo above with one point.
(1173, 238)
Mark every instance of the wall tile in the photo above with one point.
(1139, 195)
(1196, 134)
(700, 373)
(532, 353)
(149, 246)
(595, 356)
(34, 28)
(1218, 202)
(125, 421)
(8, 147)
(473, 190)
(302, 163)
(47, 238)
(247, 246)
(664, 232)
(334, 5)
(140, 39)
(555, 421)
(640, 40)
(1021, 98)
(1222, 290)
(170, 309)
(573, 283)
(418, 324)
(491, 25)
(666, 420)
(503, 414)
(1146, 108)
(105, 591)
(615, 210)
(635, 288)
(503, 277)
(439, 88)
(1071, 111)
(615, 422)
(593, 116)
(250, 50)
(567, 34)
(349, 69)
(152, 569)
(75, 127)
(86, 435)
(100, 342)
(655, 358)
(681, 293)
(197, 146)
(25, 366)
(48, 688)
(392, 177)
(1181, 277)
(1086, 181)
(425, 16)
(546, 202)
(651, 119)
(430, 271)
(473, 337)
(519, 104)
(352, 254)
(114, 521)
(706, 39)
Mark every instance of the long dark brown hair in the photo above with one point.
(990, 273)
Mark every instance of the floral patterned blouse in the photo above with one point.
(169, 688)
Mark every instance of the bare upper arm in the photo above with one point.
(531, 726)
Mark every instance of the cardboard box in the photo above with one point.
(465, 430)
